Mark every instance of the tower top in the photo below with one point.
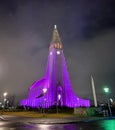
(56, 38)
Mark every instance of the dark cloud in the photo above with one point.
(87, 31)
(93, 57)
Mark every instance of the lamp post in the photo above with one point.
(0, 105)
(58, 99)
(44, 91)
(5, 95)
(107, 90)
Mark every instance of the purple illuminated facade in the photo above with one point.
(55, 88)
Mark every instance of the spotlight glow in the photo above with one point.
(58, 52)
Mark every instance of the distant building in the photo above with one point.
(55, 88)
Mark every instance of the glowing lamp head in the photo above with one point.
(44, 90)
(5, 94)
(106, 90)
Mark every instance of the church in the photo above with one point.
(55, 87)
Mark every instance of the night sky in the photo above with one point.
(87, 31)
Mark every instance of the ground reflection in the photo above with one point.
(108, 124)
(77, 126)
(45, 127)
(55, 127)
(97, 125)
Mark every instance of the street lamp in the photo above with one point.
(58, 99)
(4, 95)
(44, 91)
(0, 104)
(107, 90)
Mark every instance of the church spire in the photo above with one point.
(56, 39)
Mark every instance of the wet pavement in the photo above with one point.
(52, 120)
(22, 123)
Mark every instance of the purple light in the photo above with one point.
(55, 86)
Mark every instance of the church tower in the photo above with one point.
(55, 87)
